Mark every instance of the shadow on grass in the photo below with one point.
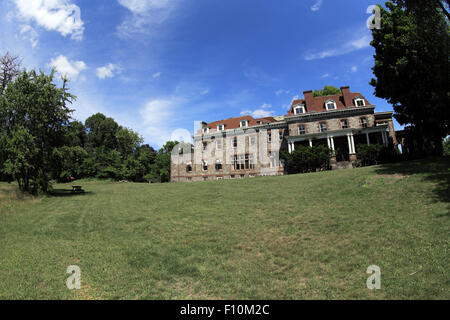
(435, 170)
(68, 193)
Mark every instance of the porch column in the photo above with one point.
(385, 139)
(351, 143)
(289, 147)
(310, 142)
(293, 146)
(368, 139)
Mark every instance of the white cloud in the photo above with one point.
(260, 112)
(317, 5)
(158, 116)
(143, 14)
(107, 71)
(348, 47)
(281, 91)
(28, 33)
(55, 15)
(71, 69)
(354, 68)
(156, 75)
(326, 75)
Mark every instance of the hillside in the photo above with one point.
(309, 236)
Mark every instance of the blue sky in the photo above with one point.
(159, 65)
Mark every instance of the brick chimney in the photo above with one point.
(347, 96)
(309, 99)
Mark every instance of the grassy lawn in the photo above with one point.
(309, 236)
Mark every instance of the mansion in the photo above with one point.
(246, 147)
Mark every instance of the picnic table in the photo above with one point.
(77, 189)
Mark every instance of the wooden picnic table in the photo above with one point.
(77, 189)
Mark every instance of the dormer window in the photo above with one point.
(300, 109)
(205, 130)
(360, 102)
(220, 127)
(205, 146)
(243, 123)
(330, 105)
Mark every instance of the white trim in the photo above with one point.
(328, 102)
(299, 106)
(355, 102)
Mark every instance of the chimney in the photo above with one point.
(309, 99)
(347, 96)
(203, 124)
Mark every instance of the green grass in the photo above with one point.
(309, 236)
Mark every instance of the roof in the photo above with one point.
(234, 123)
(318, 104)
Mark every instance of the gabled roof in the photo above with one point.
(319, 103)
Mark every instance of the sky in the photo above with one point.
(157, 66)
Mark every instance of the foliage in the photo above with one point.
(411, 69)
(371, 154)
(327, 90)
(446, 146)
(160, 170)
(307, 159)
(34, 112)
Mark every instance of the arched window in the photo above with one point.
(205, 165)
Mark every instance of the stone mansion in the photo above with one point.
(246, 147)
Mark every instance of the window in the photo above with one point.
(219, 144)
(220, 127)
(330, 105)
(301, 129)
(323, 127)
(269, 136)
(344, 124)
(359, 102)
(188, 179)
(273, 160)
(364, 123)
(252, 140)
(219, 178)
(242, 162)
(280, 135)
(219, 165)
(242, 176)
(189, 167)
(205, 165)
(299, 109)
(234, 143)
(205, 178)
(232, 176)
(205, 130)
(243, 123)
(205, 146)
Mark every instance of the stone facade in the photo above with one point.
(246, 147)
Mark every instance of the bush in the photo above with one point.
(371, 154)
(307, 159)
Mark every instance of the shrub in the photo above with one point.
(371, 154)
(307, 159)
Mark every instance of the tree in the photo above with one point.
(160, 170)
(412, 69)
(9, 69)
(327, 90)
(34, 113)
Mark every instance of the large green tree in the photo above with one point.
(33, 113)
(327, 90)
(412, 69)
